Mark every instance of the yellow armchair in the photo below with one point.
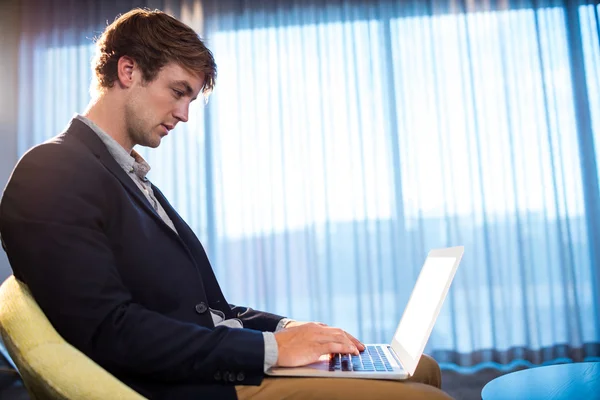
(50, 367)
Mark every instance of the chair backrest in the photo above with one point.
(50, 367)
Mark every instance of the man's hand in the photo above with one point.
(302, 343)
(354, 340)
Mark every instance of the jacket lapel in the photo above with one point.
(85, 134)
(197, 252)
(185, 232)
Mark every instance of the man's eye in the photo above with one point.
(178, 93)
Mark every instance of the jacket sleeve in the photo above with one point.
(253, 319)
(52, 220)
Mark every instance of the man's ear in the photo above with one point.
(126, 71)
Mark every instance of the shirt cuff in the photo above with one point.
(271, 351)
(282, 324)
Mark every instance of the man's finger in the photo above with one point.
(335, 347)
(334, 337)
(359, 345)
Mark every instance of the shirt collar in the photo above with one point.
(130, 162)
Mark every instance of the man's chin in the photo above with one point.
(152, 142)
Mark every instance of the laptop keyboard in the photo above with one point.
(372, 359)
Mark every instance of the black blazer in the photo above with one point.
(116, 282)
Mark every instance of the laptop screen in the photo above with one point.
(424, 305)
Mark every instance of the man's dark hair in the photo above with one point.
(153, 39)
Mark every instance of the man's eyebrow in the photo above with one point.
(186, 85)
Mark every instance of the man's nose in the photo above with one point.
(181, 113)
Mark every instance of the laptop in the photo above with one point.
(397, 360)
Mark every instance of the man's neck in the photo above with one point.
(106, 113)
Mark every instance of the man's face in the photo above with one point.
(154, 108)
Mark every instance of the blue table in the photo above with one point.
(553, 382)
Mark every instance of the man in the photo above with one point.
(116, 270)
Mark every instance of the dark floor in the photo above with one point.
(458, 385)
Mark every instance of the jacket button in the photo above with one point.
(201, 308)
(231, 377)
(217, 376)
(241, 376)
